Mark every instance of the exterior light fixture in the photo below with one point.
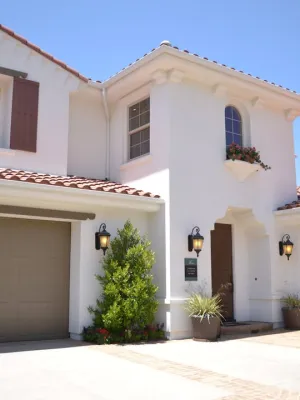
(286, 246)
(195, 241)
(102, 239)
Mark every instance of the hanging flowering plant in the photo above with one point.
(248, 154)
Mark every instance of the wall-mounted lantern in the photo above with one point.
(102, 239)
(286, 246)
(195, 241)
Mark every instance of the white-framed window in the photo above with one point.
(139, 129)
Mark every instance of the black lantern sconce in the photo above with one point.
(102, 239)
(195, 241)
(286, 246)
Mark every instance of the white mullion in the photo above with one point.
(139, 129)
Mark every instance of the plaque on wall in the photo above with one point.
(190, 269)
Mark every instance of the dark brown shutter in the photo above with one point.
(24, 115)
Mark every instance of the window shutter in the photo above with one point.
(24, 115)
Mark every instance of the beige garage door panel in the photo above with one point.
(34, 279)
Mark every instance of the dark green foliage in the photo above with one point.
(103, 336)
(128, 298)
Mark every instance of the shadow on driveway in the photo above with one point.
(14, 347)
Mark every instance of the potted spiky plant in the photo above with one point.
(205, 312)
(291, 311)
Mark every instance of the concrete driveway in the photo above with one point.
(256, 368)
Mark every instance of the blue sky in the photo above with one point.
(98, 38)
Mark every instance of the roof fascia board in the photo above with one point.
(78, 196)
(12, 35)
(249, 82)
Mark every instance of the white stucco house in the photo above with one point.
(147, 144)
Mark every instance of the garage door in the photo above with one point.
(34, 279)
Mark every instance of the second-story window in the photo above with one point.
(233, 126)
(139, 129)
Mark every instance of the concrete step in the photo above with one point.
(246, 327)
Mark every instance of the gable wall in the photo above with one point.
(53, 113)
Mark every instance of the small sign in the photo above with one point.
(190, 269)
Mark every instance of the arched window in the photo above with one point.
(233, 126)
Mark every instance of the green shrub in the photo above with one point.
(128, 299)
(291, 301)
(203, 306)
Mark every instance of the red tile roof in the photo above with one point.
(166, 43)
(75, 182)
(293, 204)
(42, 52)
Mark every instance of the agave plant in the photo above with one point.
(203, 306)
(291, 301)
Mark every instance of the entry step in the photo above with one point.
(247, 327)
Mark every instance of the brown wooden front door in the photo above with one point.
(221, 267)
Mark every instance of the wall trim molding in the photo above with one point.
(45, 213)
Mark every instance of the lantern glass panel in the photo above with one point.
(287, 249)
(197, 243)
(104, 241)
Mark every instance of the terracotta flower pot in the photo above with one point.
(206, 329)
(291, 318)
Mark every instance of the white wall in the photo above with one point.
(87, 135)
(53, 117)
(187, 168)
(86, 261)
(201, 187)
(285, 273)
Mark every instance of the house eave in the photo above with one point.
(289, 217)
(15, 193)
(287, 99)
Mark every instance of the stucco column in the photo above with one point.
(84, 264)
(75, 261)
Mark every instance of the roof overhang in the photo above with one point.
(26, 194)
(289, 217)
(43, 53)
(208, 73)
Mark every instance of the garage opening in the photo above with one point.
(34, 279)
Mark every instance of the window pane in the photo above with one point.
(235, 114)
(135, 151)
(135, 139)
(229, 138)
(145, 147)
(228, 125)
(145, 105)
(145, 134)
(237, 127)
(134, 110)
(139, 116)
(134, 123)
(145, 118)
(233, 126)
(228, 112)
(238, 139)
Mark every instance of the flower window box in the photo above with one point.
(244, 161)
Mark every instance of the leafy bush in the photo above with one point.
(248, 154)
(128, 299)
(203, 306)
(291, 301)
